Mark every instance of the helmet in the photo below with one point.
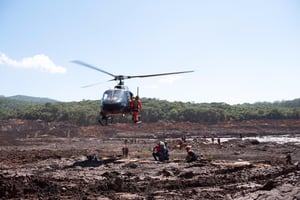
(188, 148)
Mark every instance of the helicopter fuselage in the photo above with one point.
(115, 101)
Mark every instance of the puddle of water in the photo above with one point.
(278, 139)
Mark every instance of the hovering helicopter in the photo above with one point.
(117, 101)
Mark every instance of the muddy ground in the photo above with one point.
(43, 160)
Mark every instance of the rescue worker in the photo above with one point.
(183, 138)
(191, 156)
(181, 144)
(131, 105)
(288, 159)
(156, 152)
(165, 150)
(136, 107)
(92, 156)
(125, 151)
(161, 151)
(219, 141)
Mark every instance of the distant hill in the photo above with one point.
(33, 100)
(20, 101)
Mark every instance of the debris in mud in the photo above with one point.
(269, 185)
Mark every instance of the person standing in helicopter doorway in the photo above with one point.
(136, 106)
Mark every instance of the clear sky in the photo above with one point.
(242, 51)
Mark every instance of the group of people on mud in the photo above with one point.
(161, 152)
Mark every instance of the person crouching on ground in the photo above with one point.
(92, 156)
(161, 151)
(156, 152)
(190, 156)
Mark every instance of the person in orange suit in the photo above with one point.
(136, 107)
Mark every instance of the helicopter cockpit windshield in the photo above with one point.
(113, 95)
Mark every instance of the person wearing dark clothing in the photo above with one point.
(160, 152)
(191, 156)
(125, 151)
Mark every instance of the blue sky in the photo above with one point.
(241, 51)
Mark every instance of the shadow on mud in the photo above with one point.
(91, 163)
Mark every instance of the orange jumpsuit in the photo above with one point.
(136, 106)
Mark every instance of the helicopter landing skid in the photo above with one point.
(104, 121)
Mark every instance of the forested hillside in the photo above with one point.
(33, 100)
(86, 112)
(20, 101)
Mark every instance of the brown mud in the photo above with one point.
(43, 160)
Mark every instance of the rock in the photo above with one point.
(268, 185)
(167, 173)
(187, 175)
(130, 165)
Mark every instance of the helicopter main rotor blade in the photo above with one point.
(162, 74)
(93, 84)
(122, 77)
(92, 67)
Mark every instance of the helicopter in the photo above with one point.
(116, 101)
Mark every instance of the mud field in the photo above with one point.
(42, 160)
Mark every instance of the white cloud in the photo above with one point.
(39, 62)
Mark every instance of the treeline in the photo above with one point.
(219, 112)
(86, 112)
(81, 113)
